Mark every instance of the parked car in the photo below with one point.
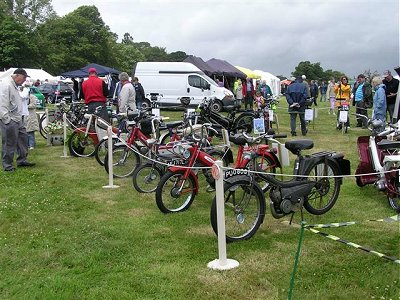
(54, 92)
(41, 99)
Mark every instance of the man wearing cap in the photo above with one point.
(13, 131)
(95, 93)
(392, 85)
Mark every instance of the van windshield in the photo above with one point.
(210, 80)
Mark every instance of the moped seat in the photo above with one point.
(387, 144)
(239, 140)
(173, 124)
(297, 145)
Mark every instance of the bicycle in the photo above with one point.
(179, 186)
(74, 111)
(83, 140)
(245, 201)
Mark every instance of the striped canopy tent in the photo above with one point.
(249, 73)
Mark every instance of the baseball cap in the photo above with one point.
(386, 73)
(92, 70)
(303, 77)
(21, 71)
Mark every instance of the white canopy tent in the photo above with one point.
(34, 74)
(273, 81)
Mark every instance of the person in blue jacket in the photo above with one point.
(379, 106)
(296, 96)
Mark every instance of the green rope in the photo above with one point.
(296, 261)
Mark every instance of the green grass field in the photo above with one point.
(62, 236)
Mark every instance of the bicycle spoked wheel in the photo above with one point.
(244, 210)
(146, 178)
(326, 191)
(175, 193)
(125, 160)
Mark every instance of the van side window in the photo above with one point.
(198, 82)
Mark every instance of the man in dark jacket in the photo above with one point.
(140, 96)
(296, 96)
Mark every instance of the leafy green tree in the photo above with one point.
(28, 12)
(177, 56)
(16, 48)
(329, 74)
(312, 71)
(126, 56)
(78, 38)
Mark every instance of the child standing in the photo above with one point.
(32, 123)
(258, 102)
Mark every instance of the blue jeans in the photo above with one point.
(31, 139)
(323, 96)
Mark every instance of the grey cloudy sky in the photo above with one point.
(269, 35)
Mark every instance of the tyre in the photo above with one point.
(50, 99)
(102, 149)
(216, 106)
(146, 177)
(244, 209)
(145, 104)
(393, 186)
(42, 129)
(81, 145)
(125, 161)
(244, 122)
(326, 191)
(175, 194)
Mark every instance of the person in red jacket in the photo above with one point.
(95, 93)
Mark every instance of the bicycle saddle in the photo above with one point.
(297, 145)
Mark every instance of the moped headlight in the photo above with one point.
(186, 154)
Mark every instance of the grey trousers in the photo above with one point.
(293, 116)
(14, 139)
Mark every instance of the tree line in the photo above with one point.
(33, 36)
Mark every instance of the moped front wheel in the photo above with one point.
(244, 209)
(175, 193)
(324, 194)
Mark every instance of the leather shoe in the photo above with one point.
(26, 164)
(9, 170)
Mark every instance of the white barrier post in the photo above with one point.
(65, 135)
(221, 263)
(46, 111)
(110, 161)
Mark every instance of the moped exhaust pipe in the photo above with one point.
(274, 213)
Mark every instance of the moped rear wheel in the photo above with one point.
(146, 177)
(244, 209)
(175, 193)
(102, 149)
(125, 161)
(324, 194)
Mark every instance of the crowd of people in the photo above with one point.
(379, 94)
(18, 121)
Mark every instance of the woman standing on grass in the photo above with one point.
(379, 108)
(332, 96)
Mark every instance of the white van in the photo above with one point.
(180, 82)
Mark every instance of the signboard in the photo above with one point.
(259, 126)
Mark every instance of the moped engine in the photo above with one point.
(283, 205)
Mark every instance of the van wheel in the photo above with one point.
(185, 101)
(216, 106)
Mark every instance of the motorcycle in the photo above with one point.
(380, 160)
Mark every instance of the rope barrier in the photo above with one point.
(230, 168)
